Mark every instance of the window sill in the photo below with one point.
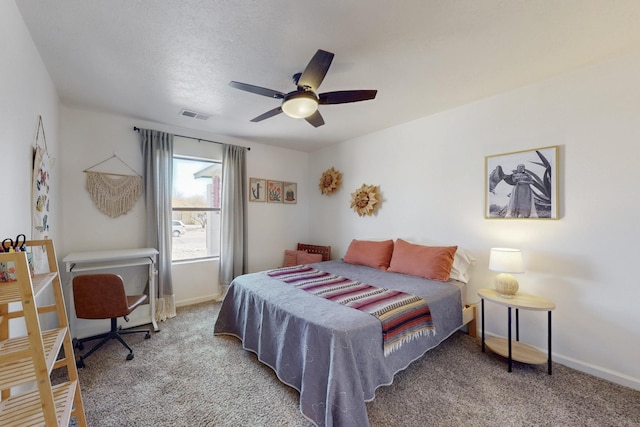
(195, 260)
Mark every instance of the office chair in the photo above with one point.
(102, 296)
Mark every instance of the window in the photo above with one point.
(196, 208)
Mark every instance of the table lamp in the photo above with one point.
(506, 261)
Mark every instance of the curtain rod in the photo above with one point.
(137, 129)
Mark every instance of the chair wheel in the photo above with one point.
(129, 356)
(77, 344)
(147, 335)
(80, 363)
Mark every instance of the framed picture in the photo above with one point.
(257, 190)
(274, 191)
(290, 192)
(522, 185)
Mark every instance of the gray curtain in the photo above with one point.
(157, 152)
(233, 252)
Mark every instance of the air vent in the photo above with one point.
(194, 115)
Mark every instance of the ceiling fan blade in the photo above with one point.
(315, 119)
(344, 96)
(317, 68)
(268, 114)
(257, 90)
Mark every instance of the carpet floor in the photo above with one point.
(186, 376)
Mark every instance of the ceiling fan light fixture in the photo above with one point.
(300, 105)
(303, 102)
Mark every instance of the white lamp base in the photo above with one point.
(506, 285)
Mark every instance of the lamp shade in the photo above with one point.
(506, 260)
(300, 105)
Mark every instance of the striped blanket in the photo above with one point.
(404, 317)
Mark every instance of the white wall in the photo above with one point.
(274, 227)
(26, 92)
(431, 177)
(91, 137)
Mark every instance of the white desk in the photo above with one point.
(101, 260)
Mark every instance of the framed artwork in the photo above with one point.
(274, 191)
(290, 192)
(522, 184)
(257, 190)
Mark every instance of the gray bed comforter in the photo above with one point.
(330, 353)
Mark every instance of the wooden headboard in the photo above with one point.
(325, 251)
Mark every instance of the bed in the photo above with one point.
(333, 354)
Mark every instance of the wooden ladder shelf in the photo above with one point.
(26, 362)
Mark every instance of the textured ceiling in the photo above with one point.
(150, 59)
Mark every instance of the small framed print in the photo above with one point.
(522, 185)
(257, 190)
(274, 191)
(290, 192)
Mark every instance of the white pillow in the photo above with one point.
(460, 268)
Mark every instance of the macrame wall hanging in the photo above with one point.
(114, 194)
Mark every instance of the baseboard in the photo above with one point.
(198, 300)
(598, 371)
(587, 368)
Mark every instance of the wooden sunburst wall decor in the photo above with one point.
(330, 181)
(365, 200)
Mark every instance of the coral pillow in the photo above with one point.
(307, 258)
(370, 253)
(291, 257)
(430, 262)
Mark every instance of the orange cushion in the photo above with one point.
(430, 262)
(307, 258)
(370, 253)
(291, 257)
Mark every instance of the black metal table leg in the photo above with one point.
(549, 361)
(482, 305)
(510, 352)
(517, 324)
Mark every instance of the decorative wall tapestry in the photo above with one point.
(522, 185)
(40, 201)
(114, 194)
(365, 200)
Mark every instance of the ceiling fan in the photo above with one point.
(303, 102)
